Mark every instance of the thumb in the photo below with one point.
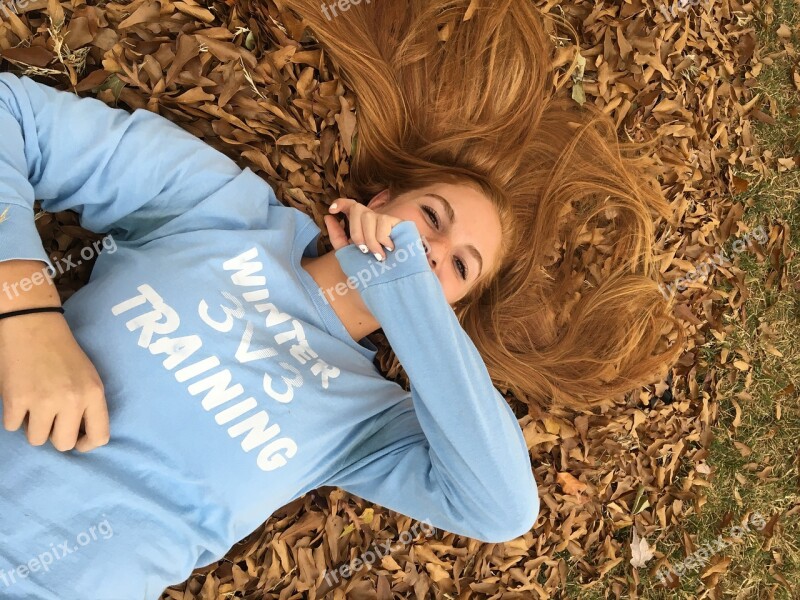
(336, 232)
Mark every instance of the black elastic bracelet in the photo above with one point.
(14, 313)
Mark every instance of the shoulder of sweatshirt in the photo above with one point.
(135, 175)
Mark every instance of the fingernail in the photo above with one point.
(363, 248)
(333, 206)
(388, 248)
(378, 256)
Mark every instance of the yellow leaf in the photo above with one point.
(367, 515)
(551, 425)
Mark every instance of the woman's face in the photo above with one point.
(459, 226)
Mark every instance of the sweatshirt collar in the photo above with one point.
(306, 245)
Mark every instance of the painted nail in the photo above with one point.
(388, 248)
(333, 206)
(363, 248)
(378, 256)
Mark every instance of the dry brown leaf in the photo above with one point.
(569, 484)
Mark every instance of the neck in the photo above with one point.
(348, 306)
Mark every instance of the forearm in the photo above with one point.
(475, 460)
(26, 284)
(453, 394)
(127, 174)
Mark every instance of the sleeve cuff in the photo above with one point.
(363, 270)
(19, 239)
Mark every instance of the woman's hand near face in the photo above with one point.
(369, 230)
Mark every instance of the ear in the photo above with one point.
(379, 199)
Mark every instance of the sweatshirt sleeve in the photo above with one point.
(128, 174)
(452, 454)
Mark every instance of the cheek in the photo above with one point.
(452, 287)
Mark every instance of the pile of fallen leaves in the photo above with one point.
(246, 78)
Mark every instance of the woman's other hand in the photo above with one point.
(44, 374)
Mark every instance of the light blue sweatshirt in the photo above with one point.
(232, 386)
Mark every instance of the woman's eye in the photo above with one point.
(461, 268)
(432, 214)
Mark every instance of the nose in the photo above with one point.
(428, 251)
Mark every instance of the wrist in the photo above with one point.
(407, 258)
(16, 325)
(31, 311)
(26, 284)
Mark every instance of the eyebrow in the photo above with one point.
(451, 216)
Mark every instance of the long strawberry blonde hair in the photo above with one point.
(460, 90)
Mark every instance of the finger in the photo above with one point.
(384, 229)
(95, 420)
(351, 209)
(343, 206)
(336, 232)
(65, 430)
(356, 228)
(369, 222)
(13, 414)
(40, 423)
